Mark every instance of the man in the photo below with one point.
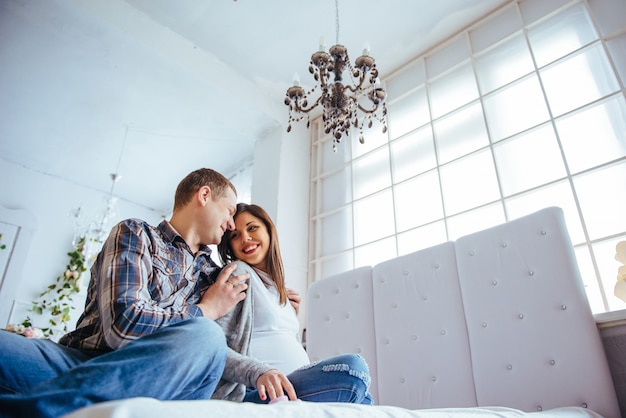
(148, 326)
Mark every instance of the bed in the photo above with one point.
(147, 407)
(494, 324)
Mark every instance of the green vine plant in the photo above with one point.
(56, 300)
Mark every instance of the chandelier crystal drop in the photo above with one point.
(355, 104)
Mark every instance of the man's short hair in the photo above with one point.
(197, 179)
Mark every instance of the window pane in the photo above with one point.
(505, 63)
(371, 173)
(447, 57)
(595, 135)
(561, 34)
(515, 108)
(405, 80)
(343, 262)
(336, 232)
(559, 194)
(460, 133)
(604, 252)
(418, 201)
(420, 238)
(373, 218)
(336, 190)
(529, 160)
(413, 154)
(333, 159)
(533, 10)
(377, 252)
(453, 91)
(476, 220)
(602, 199)
(469, 182)
(617, 49)
(373, 138)
(609, 14)
(408, 113)
(578, 80)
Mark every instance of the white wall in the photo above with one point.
(52, 201)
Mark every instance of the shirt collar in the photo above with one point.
(171, 235)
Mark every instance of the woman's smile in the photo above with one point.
(249, 249)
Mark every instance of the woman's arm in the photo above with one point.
(243, 369)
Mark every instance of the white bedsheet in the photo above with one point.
(147, 407)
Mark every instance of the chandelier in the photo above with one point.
(343, 106)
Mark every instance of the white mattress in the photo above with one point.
(147, 407)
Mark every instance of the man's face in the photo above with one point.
(219, 216)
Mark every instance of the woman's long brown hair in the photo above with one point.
(274, 259)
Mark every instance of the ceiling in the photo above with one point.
(153, 89)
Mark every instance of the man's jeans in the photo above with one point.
(39, 378)
(343, 378)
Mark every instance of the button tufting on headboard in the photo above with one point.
(506, 323)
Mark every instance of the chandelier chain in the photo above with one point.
(336, 22)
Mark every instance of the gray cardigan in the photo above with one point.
(240, 371)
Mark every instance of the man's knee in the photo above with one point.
(203, 336)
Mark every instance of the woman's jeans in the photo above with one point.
(343, 378)
(39, 378)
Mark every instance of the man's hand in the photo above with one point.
(224, 294)
(294, 299)
(274, 384)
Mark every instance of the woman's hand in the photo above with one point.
(294, 299)
(224, 294)
(274, 384)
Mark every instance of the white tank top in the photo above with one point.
(275, 330)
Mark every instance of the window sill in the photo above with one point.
(610, 319)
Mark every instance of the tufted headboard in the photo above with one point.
(497, 318)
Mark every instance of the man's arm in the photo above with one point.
(138, 276)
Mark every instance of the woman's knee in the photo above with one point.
(342, 378)
(353, 365)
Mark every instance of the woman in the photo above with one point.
(267, 360)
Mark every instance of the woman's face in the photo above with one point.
(250, 240)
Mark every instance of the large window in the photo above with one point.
(524, 110)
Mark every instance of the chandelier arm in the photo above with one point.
(358, 87)
(307, 110)
(368, 111)
(352, 89)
